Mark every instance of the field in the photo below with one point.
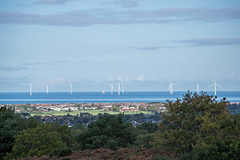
(93, 112)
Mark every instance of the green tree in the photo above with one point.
(8, 129)
(148, 126)
(64, 133)
(115, 108)
(141, 108)
(27, 123)
(76, 131)
(145, 140)
(108, 132)
(37, 141)
(199, 126)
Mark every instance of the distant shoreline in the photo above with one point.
(99, 103)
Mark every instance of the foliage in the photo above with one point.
(108, 132)
(8, 129)
(63, 132)
(28, 123)
(220, 141)
(150, 127)
(145, 140)
(76, 131)
(37, 141)
(115, 108)
(199, 126)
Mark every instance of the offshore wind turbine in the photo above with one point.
(171, 87)
(198, 88)
(30, 86)
(119, 88)
(112, 88)
(47, 88)
(215, 87)
(70, 88)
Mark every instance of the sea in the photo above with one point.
(99, 97)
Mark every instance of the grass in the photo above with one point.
(93, 112)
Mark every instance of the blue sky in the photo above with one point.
(144, 43)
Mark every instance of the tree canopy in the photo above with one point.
(8, 129)
(108, 132)
(198, 126)
(37, 141)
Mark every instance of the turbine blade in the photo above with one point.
(218, 85)
(211, 85)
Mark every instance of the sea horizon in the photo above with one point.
(107, 97)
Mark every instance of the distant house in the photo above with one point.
(107, 107)
(123, 109)
(90, 108)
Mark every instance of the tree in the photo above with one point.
(108, 132)
(148, 126)
(8, 129)
(37, 141)
(145, 140)
(64, 133)
(199, 126)
(28, 123)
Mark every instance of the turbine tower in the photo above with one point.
(119, 88)
(198, 88)
(122, 88)
(171, 87)
(71, 88)
(30, 85)
(47, 88)
(215, 87)
(112, 88)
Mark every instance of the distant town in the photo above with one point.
(85, 113)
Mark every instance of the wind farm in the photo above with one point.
(121, 88)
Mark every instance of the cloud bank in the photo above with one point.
(210, 42)
(122, 3)
(12, 68)
(47, 2)
(103, 16)
(153, 48)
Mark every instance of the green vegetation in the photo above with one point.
(8, 128)
(196, 127)
(37, 141)
(108, 132)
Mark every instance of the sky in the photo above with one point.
(141, 43)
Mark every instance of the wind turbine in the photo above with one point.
(71, 88)
(119, 88)
(122, 88)
(215, 87)
(198, 88)
(30, 85)
(112, 88)
(47, 88)
(171, 87)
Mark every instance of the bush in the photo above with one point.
(37, 141)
